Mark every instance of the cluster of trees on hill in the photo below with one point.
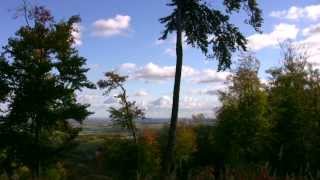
(271, 127)
(275, 123)
(264, 130)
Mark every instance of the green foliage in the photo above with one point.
(4, 83)
(293, 98)
(241, 121)
(275, 124)
(121, 159)
(185, 148)
(42, 71)
(259, 129)
(82, 162)
(125, 159)
(205, 140)
(149, 155)
(206, 27)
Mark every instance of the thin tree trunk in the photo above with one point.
(134, 132)
(129, 122)
(168, 164)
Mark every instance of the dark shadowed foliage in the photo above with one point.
(241, 124)
(42, 71)
(294, 108)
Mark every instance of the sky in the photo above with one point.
(122, 35)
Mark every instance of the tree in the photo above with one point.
(198, 118)
(43, 71)
(126, 115)
(205, 28)
(5, 163)
(242, 125)
(4, 86)
(313, 93)
(292, 97)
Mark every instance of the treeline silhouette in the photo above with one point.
(268, 130)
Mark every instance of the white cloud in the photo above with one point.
(170, 52)
(127, 67)
(141, 93)
(110, 100)
(94, 66)
(311, 30)
(153, 71)
(112, 26)
(189, 102)
(202, 100)
(280, 33)
(162, 102)
(88, 98)
(312, 44)
(211, 76)
(94, 98)
(76, 34)
(264, 81)
(311, 12)
(186, 103)
(170, 42)
(159, 42)
(209, 92)
(292, 13)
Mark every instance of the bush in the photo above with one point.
(186, 146)
(125, 159)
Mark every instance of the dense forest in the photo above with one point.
(263, 130)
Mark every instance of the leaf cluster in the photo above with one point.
(210, 29)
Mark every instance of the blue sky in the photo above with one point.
(122, 35)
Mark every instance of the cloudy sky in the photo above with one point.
(123, 35)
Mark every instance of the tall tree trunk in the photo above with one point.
(168, 164)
